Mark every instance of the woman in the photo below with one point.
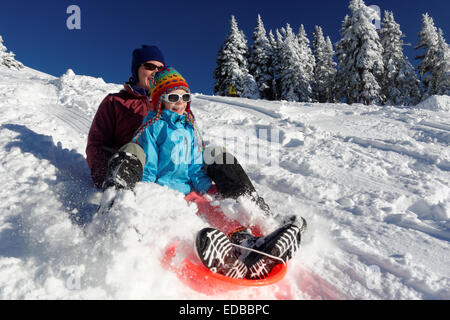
(120, 114)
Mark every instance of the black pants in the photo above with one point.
(232, 181)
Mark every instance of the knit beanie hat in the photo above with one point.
(144, 54)
(166, 81)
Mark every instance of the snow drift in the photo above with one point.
(437, 103)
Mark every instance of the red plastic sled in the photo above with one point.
(191, 270)
(195, 275)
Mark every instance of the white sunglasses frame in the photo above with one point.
(165, 97)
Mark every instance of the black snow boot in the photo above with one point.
(243, 237)
(283, 243)
(217, 253)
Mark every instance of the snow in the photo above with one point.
(436, 103)
(372, 182)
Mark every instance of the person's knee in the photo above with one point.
(217, 155)
(135, 150)
(213, 154)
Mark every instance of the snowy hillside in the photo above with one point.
(373, 183)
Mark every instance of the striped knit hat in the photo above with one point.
(166, 81)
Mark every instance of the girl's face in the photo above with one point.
(178, 107)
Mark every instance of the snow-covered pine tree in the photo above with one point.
(324, 70)
(344, 84)
(7, 58)
(274, 66)
(247, 86)
(443, 75)
(232, 66)
(332, 69)
(359, 52)
(260, 60)
(429, 59)
(290, 67)
(276, 43)
(307, 61)
(219, 73)
(400, 84)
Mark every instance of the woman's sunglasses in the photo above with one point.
(151, 66)
(175, 97)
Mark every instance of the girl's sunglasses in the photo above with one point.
(151, 66)
(175, 97)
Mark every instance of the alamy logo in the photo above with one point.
(75, 273)
(73, 22)
(373, 277)
(260, 147)
(375, 15)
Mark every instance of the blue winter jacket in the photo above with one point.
(173, 157)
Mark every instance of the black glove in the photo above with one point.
(124, 171)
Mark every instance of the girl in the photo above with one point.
(170, 139)
(173, 151)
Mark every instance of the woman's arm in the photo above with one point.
(100, 135)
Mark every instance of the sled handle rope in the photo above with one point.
(259, 252)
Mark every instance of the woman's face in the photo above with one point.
(178, 107)
(146, 76)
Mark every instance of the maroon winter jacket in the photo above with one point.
(117, 118)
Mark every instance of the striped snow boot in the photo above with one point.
(282, 244)
(218, 254)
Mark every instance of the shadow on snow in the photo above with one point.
(73, 179)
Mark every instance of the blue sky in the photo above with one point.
(188, 32)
